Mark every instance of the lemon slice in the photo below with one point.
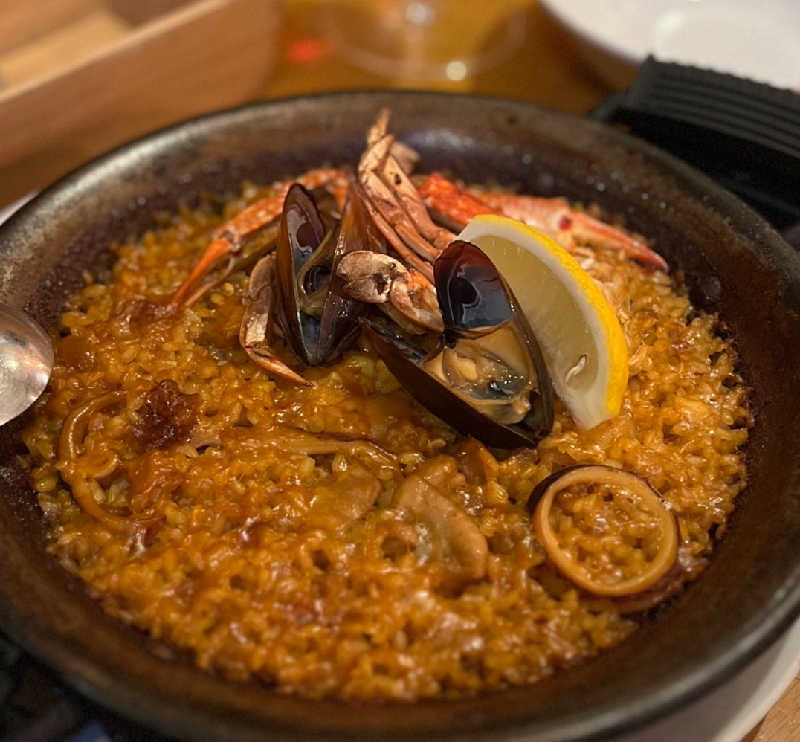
(577, 329)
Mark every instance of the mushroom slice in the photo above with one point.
(605, 529)
(351, 497)
(455, 540)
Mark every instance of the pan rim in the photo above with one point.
(751, 639)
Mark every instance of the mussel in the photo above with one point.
(317, 318)
(485, 375)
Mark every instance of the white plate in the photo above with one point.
(758, 39)
(729, 713)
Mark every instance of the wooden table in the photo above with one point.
(546, 69)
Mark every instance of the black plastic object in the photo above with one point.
(745, 135)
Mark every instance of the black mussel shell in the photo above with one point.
(305, 255)
(472, 295)
(474, 300)
(475, 303)
(404, 358)
(301, 233)
(340, 312)
(314, 276)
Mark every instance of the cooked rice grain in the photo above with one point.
(236, 567)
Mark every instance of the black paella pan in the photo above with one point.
(732, 261)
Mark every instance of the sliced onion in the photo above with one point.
(619, 481)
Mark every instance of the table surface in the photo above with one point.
(547, 69)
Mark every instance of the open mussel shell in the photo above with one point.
(314, 277)
(318, 319)
(484, 331)
(301, 234)
(340, 312)
(403, 358)
(471, 292)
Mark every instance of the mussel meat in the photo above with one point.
(485, 376)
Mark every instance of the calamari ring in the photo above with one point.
(84, 486)
(641, 497)
(78, 419)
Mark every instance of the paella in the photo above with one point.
(373, 435)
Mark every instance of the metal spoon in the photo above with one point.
(26, 360)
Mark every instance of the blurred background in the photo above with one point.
(80, 76)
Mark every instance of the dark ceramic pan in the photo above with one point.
(733, 262)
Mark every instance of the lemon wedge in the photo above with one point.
(581, 340)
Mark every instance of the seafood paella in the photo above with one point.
(370, 434)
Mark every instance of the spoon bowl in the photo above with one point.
(26, 360)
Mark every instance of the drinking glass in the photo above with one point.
(425, 40)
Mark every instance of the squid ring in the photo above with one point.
(636, 496)
(84, 485)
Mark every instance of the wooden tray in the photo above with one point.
(80, 76)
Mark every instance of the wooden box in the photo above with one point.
(78, 77)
